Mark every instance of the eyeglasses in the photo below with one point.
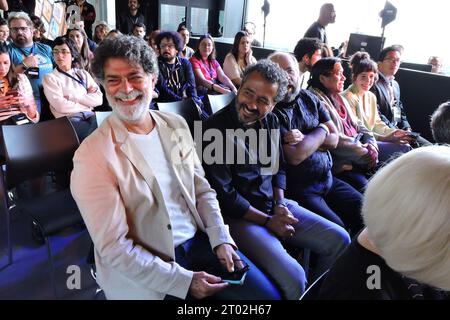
(168, 46)
(63, 52)
(21, 29)
(393, 60)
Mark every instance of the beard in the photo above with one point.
(22, 41)
(292, 93)
(130, 113)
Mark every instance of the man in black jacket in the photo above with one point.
(387, 91)
(176, 79)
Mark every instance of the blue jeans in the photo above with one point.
(196, 254)
(356, 178)
(341, 204)
(313, 232)
(389, 150)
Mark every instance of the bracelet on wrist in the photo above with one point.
(325, 128)
(212, 87)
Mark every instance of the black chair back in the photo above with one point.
(35, 149)
(220, 101)
(185, 108)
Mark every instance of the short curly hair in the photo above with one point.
(135, 50)
(175, 36)
(272, 73)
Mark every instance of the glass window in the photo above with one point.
(199, 20)
(172, 16)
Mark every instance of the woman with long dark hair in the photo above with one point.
(80, 38)
(17, 104)
(209, 75)
(240, 57)
(357, 151)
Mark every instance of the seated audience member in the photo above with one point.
(387, 91)
(39, 31)
(139, 30)
(251, 195)
(440, 123)
(80, 25)
(70, 90)
(356, 152)
(307, 52)
(436, 64)
(363, 104)
(100, 32)
(153, 218)
(152, 41)
(17, 103)
(176, 80)
(240, 57)
(112, 34)
(404, 252)
(186, 52)
(209, 75)
(250, 28)
(307, 134)
(85, 55)
(27, 55)
(4, 31)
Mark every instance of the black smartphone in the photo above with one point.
(359, 137)
(413, 135)
(236, 277)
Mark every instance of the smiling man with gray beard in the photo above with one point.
(152, 216)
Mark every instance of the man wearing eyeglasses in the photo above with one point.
(387, 91)
(31, 58)
(176, 80)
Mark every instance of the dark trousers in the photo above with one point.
(356, 178)
(196, 254)
(341, 204)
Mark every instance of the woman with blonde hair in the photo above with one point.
(100, 32)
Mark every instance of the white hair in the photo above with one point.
(20, 15)
(407, 214)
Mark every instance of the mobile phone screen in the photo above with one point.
(236, 277)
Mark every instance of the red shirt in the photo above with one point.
(209, 69)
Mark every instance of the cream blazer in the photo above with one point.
(366, 110)
(124, 210)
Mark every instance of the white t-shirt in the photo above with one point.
(181, 219)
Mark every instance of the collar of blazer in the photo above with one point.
(183, 150)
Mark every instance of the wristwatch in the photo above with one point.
(280, 202)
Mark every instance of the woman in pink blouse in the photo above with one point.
(209, 75)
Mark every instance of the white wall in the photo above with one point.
(421, 27)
